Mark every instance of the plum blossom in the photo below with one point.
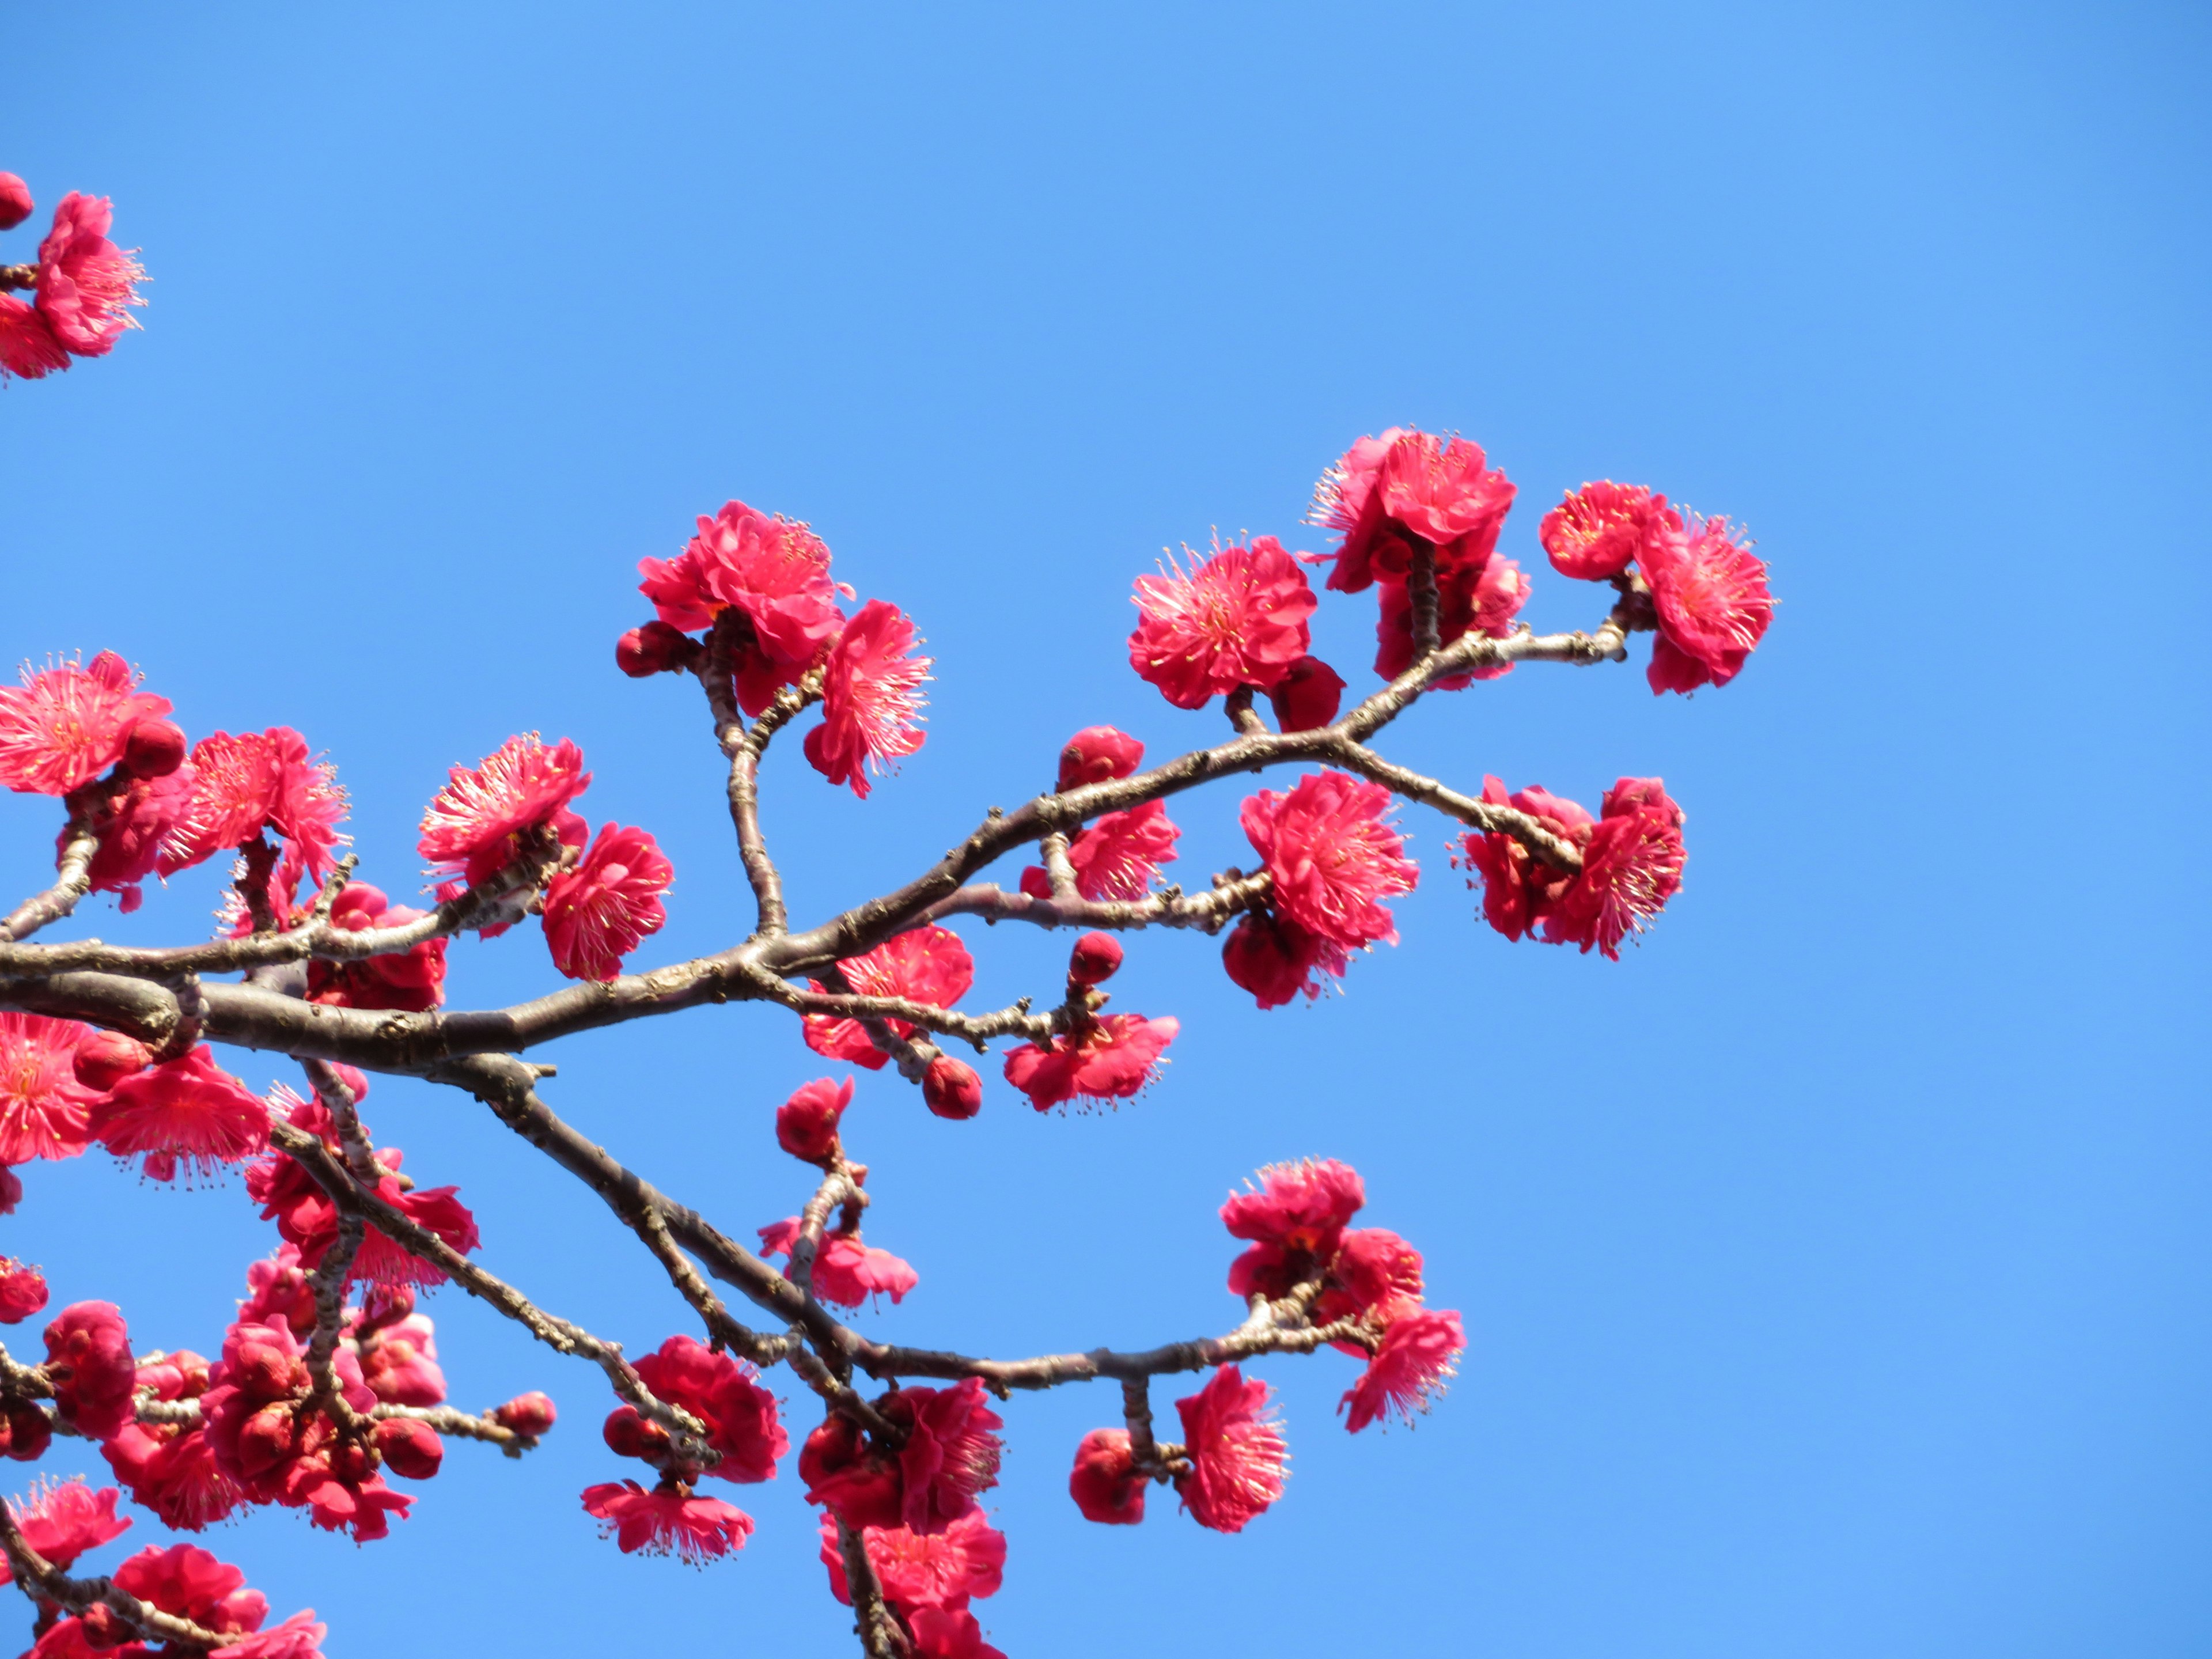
(45, 1112)
(14, 201)
(943, 1570)
(952, 1089)
(1120, 856)
(1275, 959)
(258, 779)
(409, 981)
(188, 1111)
(1711, 594)
(66, 725)
(28, 348)
(1239, 617)
(1633, 860)
(61, 1519)
(133, 823)
(88, 1362)
(22, 1290)
(923, 964)
(473, 827)
(952, 1452)
(1387, 493)
(774, 571)
(1105, 1482)
(1098, 754)
(846, 1271)
(87, 285)
(597, 913)
(1295, 1220)
(1332, 856)
(1112, 1058)
(1236, 1451)
(667, 1521)
(1418, 1353)
(871, 698)
(724, 1394)
(1594, 532)
(170, 1468)
(1307, 696)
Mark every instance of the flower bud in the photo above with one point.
(265, 1441)
(22, 1290)
(349, 1461)
(14, 201)
(629, 1435)
(527, 1415)
(265, 1372)
(1104, 1483)
(11, 1191)
(156, 749)
(806, 1124)
(29, 1431)
(653, 649)
(1097, 753)
(1095, 958)
(106, 1058)
(1308, 697)
(951, 1088)
(383, 1305)
(410, 1449)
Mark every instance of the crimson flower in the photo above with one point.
(1237, 618)
(1374, 1274)
(397, 1348)
(846, 1271)
(923, 964)
(88, 1362)
(87, 285)
(472, 827)
(43, 1109)
(409, 982)
(1120, 856)
(191, 1584)
(1388, 492)
(1594, 531)
(171, 1468)
(848, 1473)
(774, 570)
(1275, 959)
(1417, 1353)
(952, 1451)
(1104, 1483)
(133, 823)
(806, 1124)
(1632, 865)
(189, 1109)
(1295, 1220)
(62, 1520)
(28, 346)
(944, 1569)
(942, 1633)
(1470, 600)
(598, 912)
(1710, 592)
(1236, 1451)
(22, 1290)
(1098, 754)
(871, 698)
(66, 725)
(1332, 856)
(258, 779)
(667, 1521)
(1111, 1058)
(724, 1394)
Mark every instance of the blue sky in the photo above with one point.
(1836, 1265)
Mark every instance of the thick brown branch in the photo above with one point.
(35, 1574)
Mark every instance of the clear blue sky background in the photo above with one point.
(1836, 1265)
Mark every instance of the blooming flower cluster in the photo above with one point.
(1632, 865)
(84, 286)
(929, 1579)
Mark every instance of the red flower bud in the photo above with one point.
(629, 1435)
(529, 1414)
(951, 1088)
(28, 1432)
(806, 1124)
(1095, 958)
(157, 749)
(653, 648)
(14, 201)
(1308, 696)
(410, 1448)
(265, 1441)
(1097, 753)
(106, 1058)
(1105, 1484)
(263, 1371)
(22, 1290)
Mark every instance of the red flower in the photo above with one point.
(409, 982)
(62, 1520)
(172, 1469)
(11, 1190)
(1111, 1059)
(1386, 492)
(852, 1476)
(1376, 1274)
(1096, 958)
(667, 1520)
(1332, 856)
(28, 346)
(596, 913)
(255, 780)
(43, 1109)
(846, 1271)
(1119, 857)
(88, 1362)
(471, 829)
(739, 1414)
(923, 964)
(189, 1108)
(1593, 533)
(86, 284)
(951, 1088)
(1632, 865)
(806, 1124)
(191, 1584)
(64, 726)
(1482, 598)
(941, 1634)
(1713, 604)
(1295, 1220)
(22, 1290)
(870, 697)
(1417, 1355)
(1307, 696)
(1274, 958)
(397, 1348)
(774, 570)
(1098, 754)
(1104, 1483)
(917, 1570)
(299, 1637)
(952, 1452)
(133, 824)
(1238, 618)
(1236, 1452)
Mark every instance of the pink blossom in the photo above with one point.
(806, 1124)
(1295, 1220)
(668, 1520)
(1388, 492)
(14, 201)
(944, 1569)
(61, 1519)
(172, 1470)
(851, 1475)
(846, 1271)
(1593, 533)
(952, 1451)
(64, 726)
(1238, 618)
(923, 964)
(398, 1348)
(1332, 856)
(133, 823)
(1710, 592)
(530, 1415)
(1632, 865)
(1236, 1451)
(28, 348)
(1098, 754)
(774, 571)
(1120, 856)
(258, 779)
(1104, 1483)
(88, 1362)
(86, 284)
(191, 1584)
(655, 648)
(22, 1290)
(473, 826)
(1275, 959)
(1481, 598)
(1417, 1353)
(1375, 1275)
(410, 1449)
(871, 698)
(951, 1088)
(725, 1395)
(409, 981)
(1112, 1058)
(1307, 696)
(188, 1109)
(598, 912)
(299, 1637)
(43, 1109)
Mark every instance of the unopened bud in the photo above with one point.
(156, 749)
(951, 1088)
(14, 201)
(653, 649)
(106, 1058)
(1098, 753)
(410, 1447)
(527, 1415)
(806, 1124)
(1307, 696)
(629, 1435)
(1095, 958)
